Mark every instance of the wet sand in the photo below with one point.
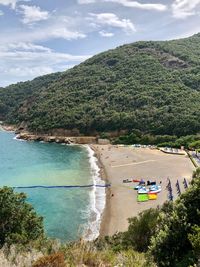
(120, 163)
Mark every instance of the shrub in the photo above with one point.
(19, 223)
(53, 260)
(140, 230)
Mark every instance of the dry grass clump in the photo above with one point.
(13, 257)
(53, 260)
(83, 254)
(78, 254)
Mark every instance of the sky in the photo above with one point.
(38, 37)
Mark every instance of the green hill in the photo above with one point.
(150, 86)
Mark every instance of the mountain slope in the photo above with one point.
(150, 86)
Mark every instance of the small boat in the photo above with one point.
(127, 181)
(136, 181)
(155, 189)
(137, 187)
(152, 196)
(143, 190)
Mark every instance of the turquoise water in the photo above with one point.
(65, 211)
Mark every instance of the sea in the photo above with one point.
(68, 213)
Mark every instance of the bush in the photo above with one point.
(140, 230)
(173, 243)
(19, 223)
(53, 260)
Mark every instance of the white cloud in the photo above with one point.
(64, 33)
(27, 71)
(57, 27)
(28, 52)
(11, 3)
(135, 4)
(130, 3)
(26, 47)
(112, 20)
(106, 34)
(1, 13)
(23, 61)
(33, 14)
(82, 2)
(182, 9)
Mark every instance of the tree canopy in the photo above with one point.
(19, 223)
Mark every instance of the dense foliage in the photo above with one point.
(14, 96)
(136, 137)
(153, 87)
(19, 223)
(175, 242)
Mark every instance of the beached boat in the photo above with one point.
(137, 187)
(155, 189)
(143, 190)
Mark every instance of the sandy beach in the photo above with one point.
(120, 163)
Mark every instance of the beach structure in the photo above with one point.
(185, 183)
(178, 188)
(169, 187)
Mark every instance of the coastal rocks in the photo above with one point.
(58, 139)
(9, 128)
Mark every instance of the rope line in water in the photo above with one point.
(60, 186)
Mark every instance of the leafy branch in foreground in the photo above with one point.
(19, 223)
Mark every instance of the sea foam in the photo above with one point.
(97, 198)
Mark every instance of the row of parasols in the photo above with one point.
(178, 189)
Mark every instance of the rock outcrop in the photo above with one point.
(58, 139)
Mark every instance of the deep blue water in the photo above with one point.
(65, 211)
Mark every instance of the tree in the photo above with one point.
(19, 223)
(196, 173)
(141, 229)
(194, 238)
(195, 145)
(173, 243)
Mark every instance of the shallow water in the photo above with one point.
(66, 212)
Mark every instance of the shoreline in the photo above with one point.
(97, 197)
(103, 174)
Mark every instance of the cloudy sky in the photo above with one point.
(44, 36)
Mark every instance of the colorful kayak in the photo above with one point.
(137, 187)
(152, 196)
(136, 181)
(143, 190)
(155, 189)
(142, 197)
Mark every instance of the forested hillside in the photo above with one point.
(151, 86)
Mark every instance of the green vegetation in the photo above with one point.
(175, 242)
(195, 145)
(13, 97)
(19, 223)
(153, 87)
(136, 137)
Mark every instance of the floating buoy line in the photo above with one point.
(61, 186)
